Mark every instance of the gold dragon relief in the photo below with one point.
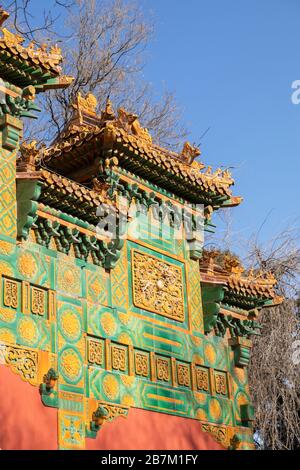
(158, 286)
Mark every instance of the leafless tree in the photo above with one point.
(104, 48)
(274, 380)
(274, 377)
(23, 19)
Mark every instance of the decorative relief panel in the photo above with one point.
(70, 365)
(119, 358)
(28, 298)
(71, 430)
(95, 352)
(221, 383)
(163, 369)
(10, 295)
(115, 411)
(157, 286)
(183, 375)
(202, 379)
(219, 433)
(38, 301)
(142, 364)
(22, 361)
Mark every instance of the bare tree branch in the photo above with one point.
(24, 20)
(273, 377)
(105, 52)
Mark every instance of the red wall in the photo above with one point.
(146, 430)
(26, 424)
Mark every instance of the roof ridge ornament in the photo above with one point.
(189, 153)
(28, 156)
(84, 116)
(197, 166)
(3, 16)
(208, 170)
(51, 54)
(12, 39)
(210, 258)
(233, 265)
(226, 177)
(88, 103)
(130, 123)
(266, 278)
(108, 113)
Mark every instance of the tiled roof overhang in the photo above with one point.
(81, 146)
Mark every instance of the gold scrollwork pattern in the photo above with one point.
(38, 301)
(221, 383)
(10, 298)
(163, 369)
(219, 433)
(118, 358)
(95, 352)
(115, 411)
(202, 379)
(157, 286)
(142, 364)
(183, 375)
(23, 362)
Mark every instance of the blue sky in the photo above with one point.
(231, 64)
